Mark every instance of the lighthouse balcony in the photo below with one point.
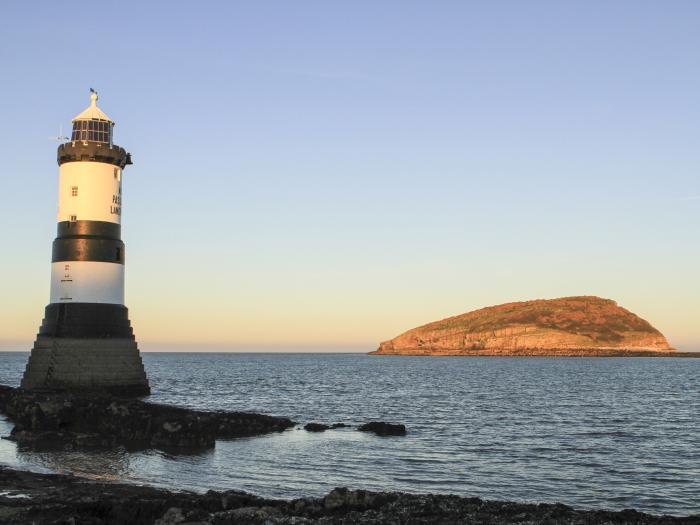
(93, 151)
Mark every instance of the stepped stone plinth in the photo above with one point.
(86, 348)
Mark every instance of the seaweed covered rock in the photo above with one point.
(48, 420)
(384, 429)
(45, 499)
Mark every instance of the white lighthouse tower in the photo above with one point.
(85, 341)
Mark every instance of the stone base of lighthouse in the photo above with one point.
(86, 347)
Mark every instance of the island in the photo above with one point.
(568, 326)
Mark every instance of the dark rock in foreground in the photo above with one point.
(44, 499)
(384, 429)
(71, 421)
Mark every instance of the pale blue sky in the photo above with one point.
(311, 172)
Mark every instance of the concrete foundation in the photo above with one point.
(112, 365)
(86, 347)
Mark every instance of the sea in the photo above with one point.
(606, 433)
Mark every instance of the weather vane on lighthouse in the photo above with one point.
(85, 341)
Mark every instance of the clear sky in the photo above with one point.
(327, 174)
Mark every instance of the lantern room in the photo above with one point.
(92, 125)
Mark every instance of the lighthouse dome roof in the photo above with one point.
(92, 112)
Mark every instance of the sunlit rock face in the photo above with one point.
(569, 326)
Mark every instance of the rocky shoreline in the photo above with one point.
(65, 420)
(42, 499)
(55, 420)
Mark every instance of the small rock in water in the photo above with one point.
(316, 427)
(384, 429)
(339, 425)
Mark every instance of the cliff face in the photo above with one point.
(566, 326)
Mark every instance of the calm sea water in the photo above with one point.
(593, 433)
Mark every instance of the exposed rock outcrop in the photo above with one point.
(322, 427)
(382, 428)
(50, 499)
(50, 420)
(570, 326)
(316, 427)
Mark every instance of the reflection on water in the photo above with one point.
(110, 465)
(613, 433)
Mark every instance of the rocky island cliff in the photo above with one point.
(569, 326)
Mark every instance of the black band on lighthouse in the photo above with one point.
(88, 249)
(86, 320)
(103, 229)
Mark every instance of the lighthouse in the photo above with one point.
(85, 341)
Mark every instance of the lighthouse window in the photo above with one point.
(74, 191)
(73, 218)
(92, 130)
(119, 255)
